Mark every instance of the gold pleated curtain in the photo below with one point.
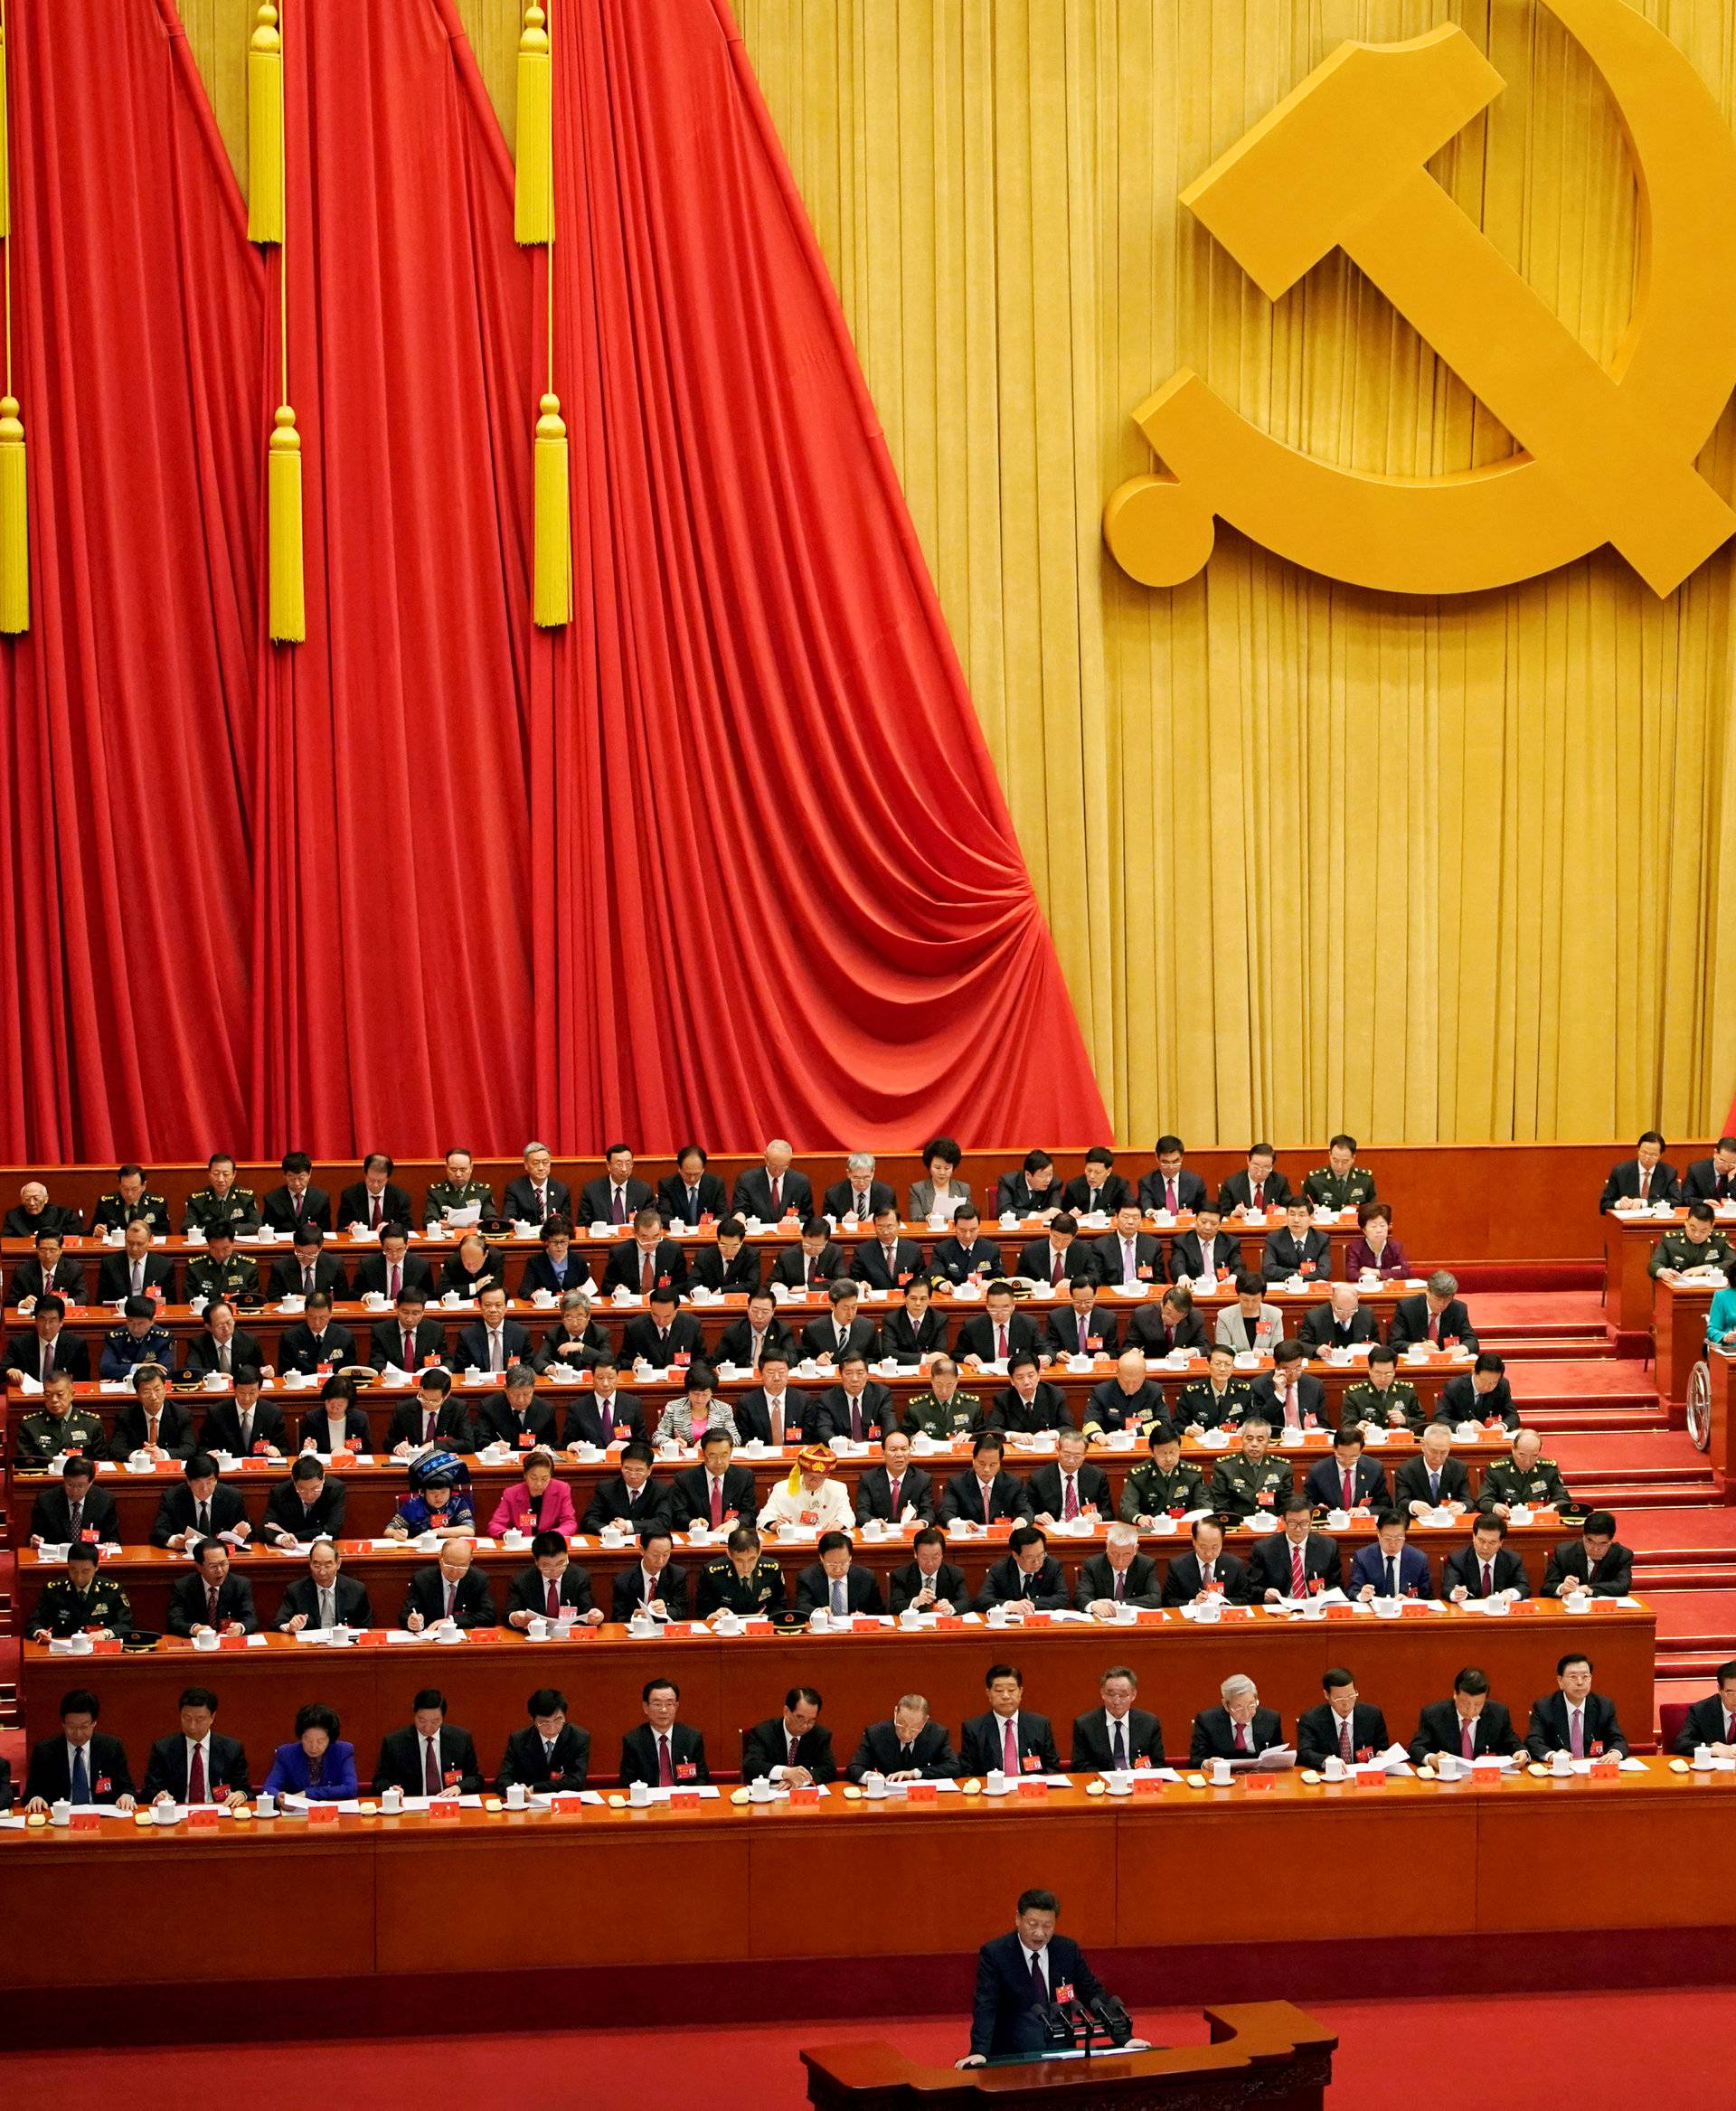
(1314, 858)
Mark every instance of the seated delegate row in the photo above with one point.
(692, 1195)
(793, 1747)
(1293, 1564)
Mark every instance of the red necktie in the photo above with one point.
(1241, 1737)
(1344, 1751)
(373, 1219)
(1645, 1181)
(717, 1503)
(1468, 1737)
(855, 1419)
(1070, 1508)
(397, 1281)
(1299, 1572)
(1576, 1731)
(665, 1772)
(1489, 1581)
(647, 1274)
(1259, 1196)
(776, 1194)
(196, 1776)
(211, 1606)
(409, 1349)
(1434, 1328)
(431, 1767)
(1009, 1749)
(1120, 1582)
(618, 1209)
(986, 1489)
(606, 1416)
(430, 1421)
(1350, 1490)
(555, 1600)
(1000, 1345)
(893, 1497)
(1169, 1196)
(1054, 1266)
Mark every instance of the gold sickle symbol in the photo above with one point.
(1607, 453)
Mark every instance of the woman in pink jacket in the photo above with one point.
(539, 1504)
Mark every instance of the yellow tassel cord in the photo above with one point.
(534, 192)
(552, 589)
(265, 129)
(14, 524)
(283, 493)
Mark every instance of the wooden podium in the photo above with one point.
(1264, 2053)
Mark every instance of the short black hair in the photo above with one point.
(81, 1701)
(429, 1697)
(1335, 1678)
(830, 1541)
(1598, 1524)
(197, 1697)
(1038, 1901)
(547, 1701)
(1471, 1681)
(546, 1544)
(1003, 1671)
(656, 1685)
(316, 1715)
(1573, 1656)
(797, 1694)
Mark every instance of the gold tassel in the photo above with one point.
(14, 524)
(552, 577)
(283, 478)
(5, 145)
(265, 129)
(534, 192)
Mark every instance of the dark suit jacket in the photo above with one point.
(596, 1204)
(519, 1202)
(188, 1608)
(454, 1276)
(931, 1755)
(1185, 1258)
(840, 1199)
(872, 1268)
(386, 1343)
(735, 1344)
(1093, 1752)
(1147, 1330)
(1704, 1725)
(951, 1260)
(962, 1497)
(1007, 1584)
(473, 1345)
(22, 1224)
(1078, 1197)
(1190, 1189)
(752, 1195)
(1182, 1579)
(1214, 1735)
(354, 1206)
(690, 1495)
(820, 1337)
(314, 1427)
(300, 1350)
(1461, 1402)
(708, 1271)
(1614, 1577)
(528, 1762)
(874, 1494)
(328, 1276)
(50, 1519)
(902, 1338)
(588, 1345)
(752, 1412)
(1464, 1567)
(1270, 1564)
(686, 1750)
(671, 1198)
(372, 1274)
(627, 1592)
(981, 1746)
(1311, 1399)
(1046, 1409)
(244, 1351)
(1003, 2019)
(528, 1592)
(610, 1506)
(1410, 1323)
(498, 1420)
(1699, 1184)
(351, 1603)
(473, 1606)
(1410, 1482)
(1438, 1730)
(860, 1590)
(1325, 1487)
(71, 1354)
(951, 1583)
(1624, 1184)
(282, 1212)
(1548, 1731)
(1282, 1255)
(1316, 1733)
(1015, 1194)
(1236, 1191)
(176, 1512)
(1320, 1330)
(686, 1339)
(1046, 1496)
(1036, 1260)
(585, 1420)
(51, 1773)
(284, 1511)
(625, 1267)
(27, 1280)
(452, 1426)
(1097, 1579)
(174, 1432)
(976, 1337)
(767, 1746)
(829, 1415)
(400, 1762)
(167, 1768)
(1102, 1332)
(792, 1266)
(1370, 1567)
(115, 1277)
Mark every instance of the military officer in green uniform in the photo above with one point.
(1525, 1475)
(58, 1427)
(743, 1580)
(1252, 1479)
(1218, 1402)
(221, 1271)
(220, 1200)
(131, 1199)
(80, 1602)
(1340, 1183)
(1383, 1398)
(1697, 1244)
(943, 1412)
(1161, 1485)
(459, 1189)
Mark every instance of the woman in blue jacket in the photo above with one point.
(320, 1765)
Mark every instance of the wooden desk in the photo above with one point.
(725, 1884)
(1679, 1310)
(730, 1683)
(1627, 1294)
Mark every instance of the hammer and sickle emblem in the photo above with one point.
(1607, 454)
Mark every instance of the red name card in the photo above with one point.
(684, 1799)
(443, 1807)
(371, 1637)
(567, 1805)
(804, 1795)
(1372, 1780)
(921, 1792)
(1147, 1617)
(1604, 1770)
(203, 1818)
(1147, 1785)
(85, 1822)
(1034, 1791)
(1257, 1782)
(232, 1642)
(1413, 1609)
(105, 1645)
(254, 1465)
(949, 1621)
(484, 1634)
(1341, 1611)
(322, 1814)
(354, 1546)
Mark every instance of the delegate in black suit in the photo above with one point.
(585, 1420)
(1702, 1182)
(473, 1346)
(115, 1277)
(1464, 1568)
(50, 1520)
(1037, 1260)
(626, 1593)
(738, 1276)
(686, 1757)
(1623, 1184)
(1410, 1482)
(626, 1270)
(1190, 1191)
(244, 1354)
(1269, 1566)
(350, 1602)
(1613, 1576)
(189, 1608)
(735, 1343)
(840, 1199)
(1460, 1401)
(1310, 1400)
(386, 1344)
(690, 1495)
(1079, 1196)
(528, 1592)
(799, 1271)
(874, 1494)
(1094, 1747)
(1702, 1725)
(173, 1429)
(521, 1206)
(712, 1199)
(578, 1350)
(752, 1195)
(1317, 1734)
(50, 1773)
(1439, 1730)
(641, 1338)
(1410, 1323)
(963, 1496)
(500, 1420)
(323, 1519)
(597, 1200)
(1325, 1487)
(473, 1604)
(177, 1511)
(1150, 1331)
(1072, 1333)
(1548, 1730)
(948, 1585)
(1283, 1256)
(907, 1342)
(1214, 1735)
(400, 1762)
(541, 1274)
(226, 1770)
(1182, 1579)
(1003, 2018)
(767, 1745)
(982, 1747)
(874, 1268)
(615, 1503)
(27, 1281)
(976, 1337)
(282, 1212)
(290, 1279)
(959, 1264)
(1237, 1192)
(1006, 1584)
(1187, 1257)
(356, 1205)
(880, 1752)
(1141, 1587)
(860, 1590)
(301, 1349)
(374, 1274)
(831, 1415)
(71, 1354)
(315, 1430)
(527, 1763)
(1048, 1498)
(1321, 1331)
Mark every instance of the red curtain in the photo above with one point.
(129, 705)
(726, 857)
(796, 900)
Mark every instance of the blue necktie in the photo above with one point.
(81, 1779)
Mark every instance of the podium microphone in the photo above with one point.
(1112, 2014)
(1056, 2025)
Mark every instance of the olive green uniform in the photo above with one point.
(64, 1611)
(1150, 1491)
(239, 1209)
(1324, 1189)
(929, 1416)
(43, 1437)
(1506, 1484)
(1245, 1485)
(720, 1588)
(1362, 1403)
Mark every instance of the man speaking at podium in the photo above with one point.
(1020, 1974)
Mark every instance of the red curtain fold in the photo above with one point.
(128, 703)
(396, 885)
(800, 903)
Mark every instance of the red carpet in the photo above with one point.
(1509, 2052)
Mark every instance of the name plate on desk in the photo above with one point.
(926, 1792)
(203, 1818)
(85, 1822)
(1255, 1783)
(444, 1807)
(684, 1799)
(1147, 1785)
(322, 1814)
(1033, 1791)
(809, 1795)
(1371, 1779)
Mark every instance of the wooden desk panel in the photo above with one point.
(1678, 1321)
(1659, 1861)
